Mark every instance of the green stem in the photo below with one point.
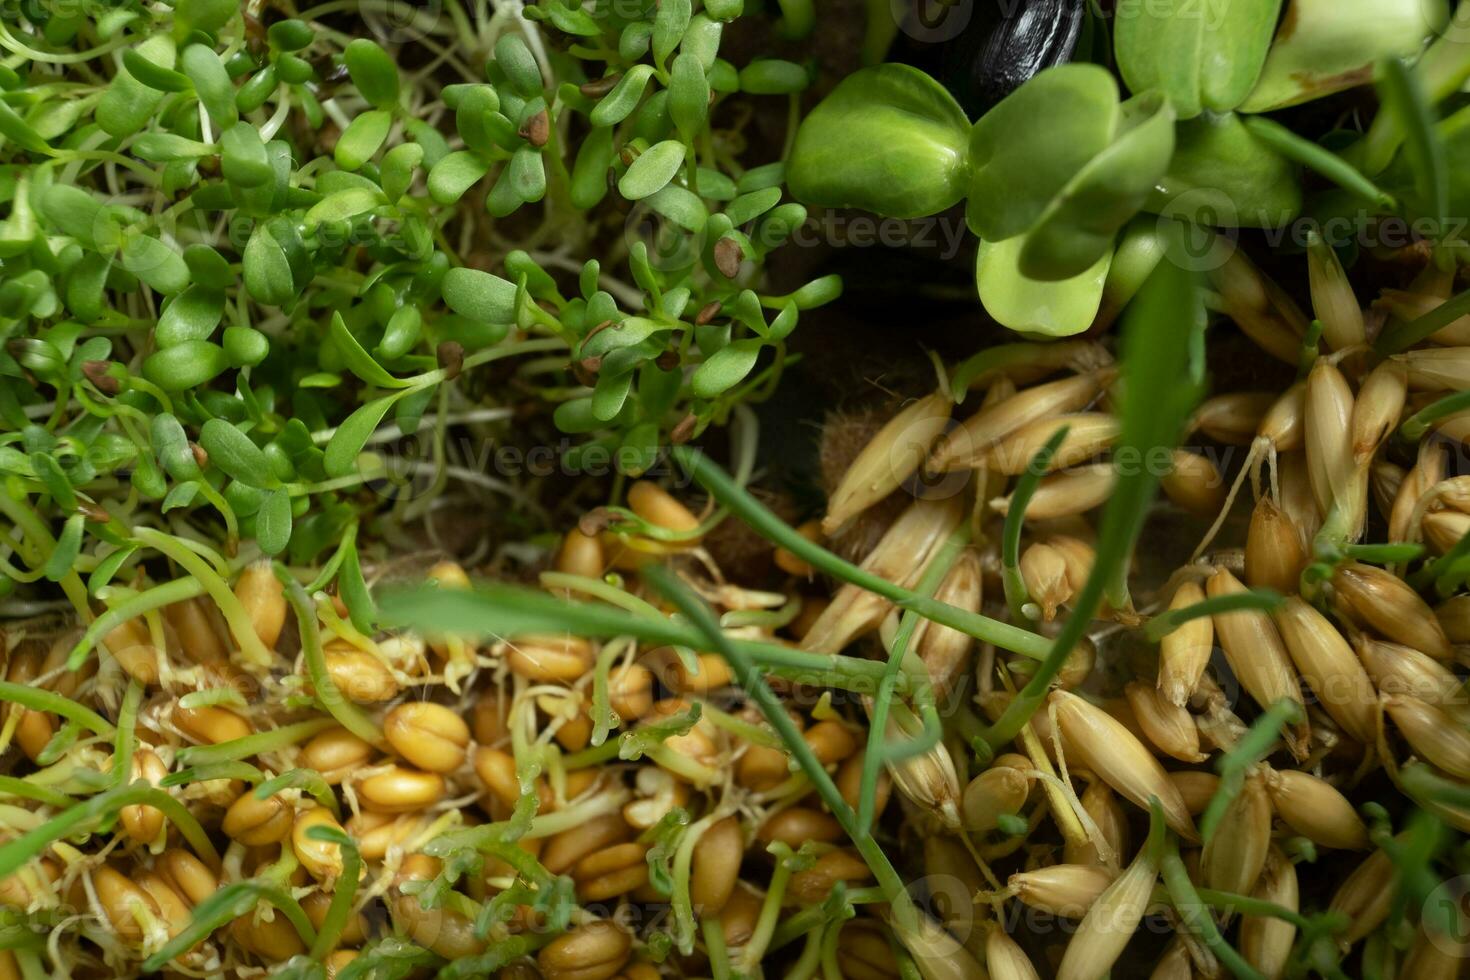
(344, 711)
(14, 854)
(40, 699)
(1314, 157)
(252, 745)
(1165, 623)
(1197, 916)
(1416, 425)
(1010, 542)
(744, 506)
(15, 786)
(341, 907)
(252, 651)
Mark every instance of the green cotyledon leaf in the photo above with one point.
(888, 139)
(1202, 56)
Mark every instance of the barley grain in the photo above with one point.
(1185, 652)
(1386, 603)
(1432, 732)
(1233, 858)
(1066, 890)
(968, 445)
(1266, 941)
(1316, 809)
(893, 455)
(1066, 494)
(1110, 922)
(1258, 657)
(1167, 725)
(1328, 665)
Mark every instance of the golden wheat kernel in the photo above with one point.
(1088, 434)
(610, 872)
(595, 950)
(715, 868)
(1233, 858)
(189, 875)
(798, 824)
(121, 899)
(656, 506)
(322, 859)
(1044, 571)
(893, 455)
(1329, 410)
(863, 952)
(1066, 890)
(490, 717)
(1443, 529)
(713, 673)
(1266, 941)
(358, 675)
(399, 790)
(581, 554)
(1328, 665)
(1099, 742)
(1396, 669)
(428, 735)
(1111, 921)
(1257, 655)
(1101, 804)
(1185, 652)
(1380, 403)
(443, 932)
(1390, 606)
(1333, 299)
(559, 659)
(354, 930)
(1066, 494)
(849, 782)
(210, 724)
(1432, 732)
(143, 822)
(1284, 426)
(1274, 553)
(1262, 310)
(966, 446)
(256, 822)
(1233, 418)
(1316, 809)
(788, 562)
(565, 849)
(816, 882)
(1365, 897)
(132, 647)
(173, 910)
(1194, 484)
(336, 962)
(738, 917)
(994, 793)
(1169, 727)
(193, 623)
(335, 753)
(831, 741)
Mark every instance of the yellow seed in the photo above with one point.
(1380, 403)
(1102, 806)
(1329, 411)
(893, 455)
(1099, 742)
(1385, 602)
(338, 961)
(1079, 556)
(1386, 480)
(193, 622)
(715, 868)
(1428, 471)
(796, 825)
(714, 673)
(1332, 297)
(1185, 653)
(581, 554)
(945, 651)
(322, 859)
(816, 882)
(1266, 941)
(188, 875)
(1258, 306)
(264, 599)
(1296, 494)
(1062, 889)
(358, 675)
(560, 659)
(131, 645)
(849, 782)
(863, 952)
(927, 780)
(400, 790)
(1257, 656)
(447, 933)
(1169, 727)
(1088, 434)
(1194, 484)
(1329, 667)
(1437, 956)
(1233, 418)
(1315, 809)
(570, 846)
(787, 560)
(1400, 670)
(966, 447)
(1437, 368)
(318, 903)
(1443, 529)
(143, 822)
(1196, 789)
(428, 735)
(900, 557)
(210, 724)
(596, 950)
(1110, 922)
(1432, 732)
(271, 939)
(1066, 494)
(1044, 570)
(1284, 426)
(255, 822)
(604, 875)
(739, 916)
(656, 506)
(1423, 298)
(1005, 959)
(1232, 859)
(1365, 897)
(994, 793)
(1274, 553)
(1453, 616)
(123, 902)
(335, 753)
